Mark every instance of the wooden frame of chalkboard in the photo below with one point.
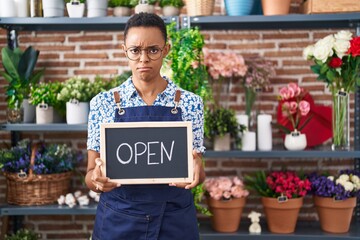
(147, 152)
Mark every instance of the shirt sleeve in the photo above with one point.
(93, 139)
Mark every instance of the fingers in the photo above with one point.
(102, 184)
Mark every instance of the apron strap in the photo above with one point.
(176, 101)
(117, 101)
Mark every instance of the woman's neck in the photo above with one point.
(148, 90)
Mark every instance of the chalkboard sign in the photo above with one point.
(147, 152)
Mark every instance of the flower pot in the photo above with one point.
(144, 8)
(44, 114)
(22, 7)
(226, 214)
(276, 7)
(239, 7)
(77, 112)
(53, 8)
(334, 215)
(264, 131)
(8, 8)
(281, 217)
(248, 141)
(29, 111)
(295, 141)
(75, 10)
(97, 8)
(170, 11)
(222, 143)
(121, 11)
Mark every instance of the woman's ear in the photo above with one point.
(166, 49)
(123, 46)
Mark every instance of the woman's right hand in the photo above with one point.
(102, 184)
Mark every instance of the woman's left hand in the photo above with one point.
(199, 174)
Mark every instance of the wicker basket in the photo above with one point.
(31, 189)
(199, 7)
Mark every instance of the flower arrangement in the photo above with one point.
(337, 60)
(295, 108)
(76, 88)
(345, 185)
(54, 158)
(225, 188)
(278, 184)
(44, 93)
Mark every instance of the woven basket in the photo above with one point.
(199, 7)
(31, 189)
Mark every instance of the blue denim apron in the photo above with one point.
(146, 211)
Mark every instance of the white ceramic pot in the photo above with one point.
(144, 8)
(97, 8)
(8, 8)
(22, 7)
(44, 114)
(264, 132)
(122, 11)
(295, 141)
(170, 11)
(248, 141)
(53, 8)
(222, 143)
(77, 112)
(75, 10)
(29, 111)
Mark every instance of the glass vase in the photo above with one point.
(341, 121)
(252, 106)
(15, 115)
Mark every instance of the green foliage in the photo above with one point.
(76, 88)
(258, 183)
(81, 1)
(220, 121)
(23, 234)
(136, 2)
(174, 3)
(19, 72)
(121, 3)
(45, 93)
(186, 60)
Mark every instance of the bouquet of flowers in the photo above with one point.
(337, 60)
(340, 187)
(294, 108)
(225, 188)
(278, 184)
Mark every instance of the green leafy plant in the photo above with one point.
(219, 121)
(121, 3)
(19, 72)
(76, 88)
(80, 1)
(136, 2)
(23, 234)
(174, 3)
(45, 93)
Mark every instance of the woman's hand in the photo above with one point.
(199, 173)
(101, 183)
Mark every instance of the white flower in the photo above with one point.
(349, 186)
(341, 181)
(308, 52)
(323, 49)
(355, 179)
(344, 177)
(331, 178)
(341, 47)
(343, 35)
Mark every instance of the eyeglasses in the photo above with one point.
(153, 53)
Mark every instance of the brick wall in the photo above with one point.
(88, 54)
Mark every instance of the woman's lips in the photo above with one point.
(144, 69)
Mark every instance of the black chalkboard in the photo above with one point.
(147, 152)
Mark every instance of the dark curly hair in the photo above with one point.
(146, 20)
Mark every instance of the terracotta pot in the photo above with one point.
(281, 217)
(226, 214)
(276, 7)
(335, 216)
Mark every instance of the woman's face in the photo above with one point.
(145, 42)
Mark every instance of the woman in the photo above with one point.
(158, 211)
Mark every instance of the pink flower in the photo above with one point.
(225, 188)
(304, 107)
(216, 193)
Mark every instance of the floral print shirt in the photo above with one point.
(102, 110)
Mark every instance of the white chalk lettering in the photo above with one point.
(136, 150)
(163, 149)
(118, 156)
(150, 154)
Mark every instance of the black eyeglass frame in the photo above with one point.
(147, 53)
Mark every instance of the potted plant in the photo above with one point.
(282, 195)
(19, 72)
(121, 7)
(75, 8)
(226, 197)
(23, 234)
(53, 8)
(144, 5)
(335, 199)
(77, 93)
(37, 170)
(171, 7)
(97, 8)
(220, 126)
(43, 96)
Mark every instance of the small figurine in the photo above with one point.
(255, 219)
